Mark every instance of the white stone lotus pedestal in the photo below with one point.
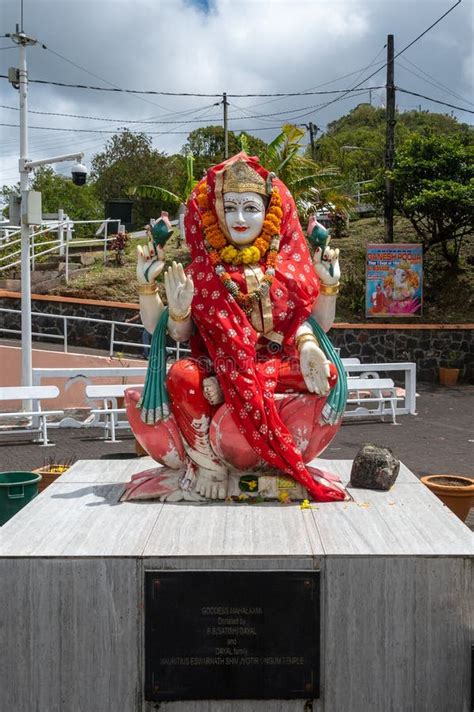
(395, 592)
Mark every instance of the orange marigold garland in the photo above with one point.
(220, 251)
(201, 197)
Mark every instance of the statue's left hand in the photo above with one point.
(315, 368)
(179, 289)
(326, 264)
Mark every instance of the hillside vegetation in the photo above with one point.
(448, 293)
(432, 175)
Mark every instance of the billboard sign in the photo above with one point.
(394, 280)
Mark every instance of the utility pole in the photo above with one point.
(226, 130)
(312, 133)
(389, 141)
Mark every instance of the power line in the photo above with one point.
(115, 88)
(169, 93)
(434, 83)
(410, 44)
(301, 113)
(78, 66)
(428, 29)
(278, 113)
(435, 101)
(106, 81)
(160, 133)
(48, 143)
(317, 86)
(158, 121)
(149, 133)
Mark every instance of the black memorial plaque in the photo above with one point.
(231, 635)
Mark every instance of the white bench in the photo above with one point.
(37, 422)
(108, 395)
(366, 390)
(347, 362)
(407, 369)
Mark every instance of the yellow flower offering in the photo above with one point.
(229, 253)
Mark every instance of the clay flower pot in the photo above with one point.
(448, 376)
(454, 491)
(49, 474)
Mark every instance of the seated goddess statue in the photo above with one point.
(263, 391)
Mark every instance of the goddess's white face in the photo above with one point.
(244, 216)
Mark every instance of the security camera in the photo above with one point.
(79, 174)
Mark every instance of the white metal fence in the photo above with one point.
(175, 349)
(363, 197)
(64, 227)
(64, 240)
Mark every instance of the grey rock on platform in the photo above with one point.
(374, 467)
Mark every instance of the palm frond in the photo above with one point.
(154, 192)
(294, 134)
(244, 143)
(190, 179)
(284, 160)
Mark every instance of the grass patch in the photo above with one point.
(112, 282)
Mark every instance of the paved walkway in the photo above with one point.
(439, 439)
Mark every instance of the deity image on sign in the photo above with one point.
(263, 391)
(400, 287)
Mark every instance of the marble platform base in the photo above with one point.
(395, 574)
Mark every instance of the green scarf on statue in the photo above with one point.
(154, 403)
(337, 398)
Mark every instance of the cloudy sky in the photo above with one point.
(212, 46)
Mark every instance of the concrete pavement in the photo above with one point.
(440, 439)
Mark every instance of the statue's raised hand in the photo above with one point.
(150, 262)
(326, 264)
(325, 259)
(179, 290)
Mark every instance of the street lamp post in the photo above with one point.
(359, 148)
(19, 79)
(26, 357)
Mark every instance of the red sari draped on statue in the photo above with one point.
(226, 335)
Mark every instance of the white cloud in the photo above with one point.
(240, 46)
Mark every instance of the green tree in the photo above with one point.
(157, 192)
(130, 159)
(434, 188)
(310, 185)
(204, 148)
(57, 191)
(5, 192)
(206, 145)
(364, 127)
